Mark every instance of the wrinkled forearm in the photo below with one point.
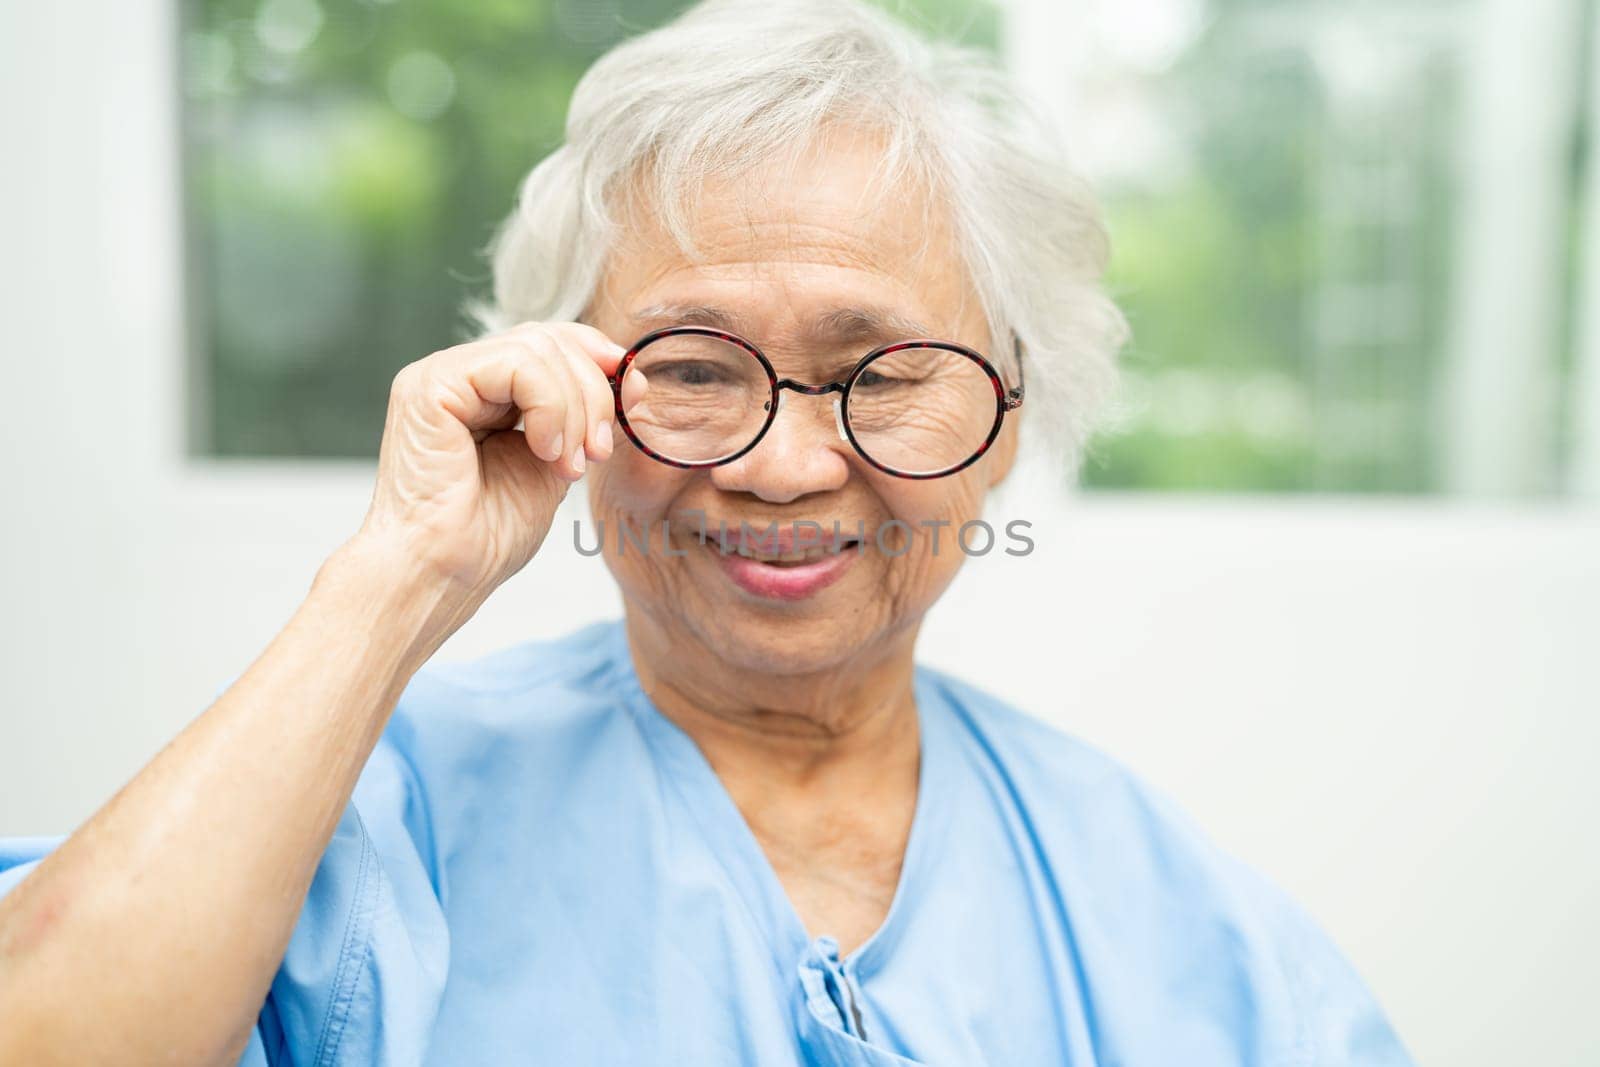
(153, 932)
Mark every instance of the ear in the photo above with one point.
(1002, 455)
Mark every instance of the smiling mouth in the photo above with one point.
(794, 557)
(783, 549)
(784, 567)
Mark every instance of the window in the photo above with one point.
(1349, 239)
(346, 164)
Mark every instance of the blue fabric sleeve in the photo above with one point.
(1337, 1021)
(1343, 1022)
(364, 969)
(20, 855)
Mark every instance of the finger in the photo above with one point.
(575, 420)
(505, 376)
(599, 402)
(634, 384)
(606, 352)
(511, 420)
(555, 427)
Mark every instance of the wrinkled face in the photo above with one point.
(804, 262)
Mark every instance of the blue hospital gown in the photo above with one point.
(537, 867)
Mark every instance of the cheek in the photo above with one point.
(935, 511)
(954, 500)
(633, 493)
(634, 487)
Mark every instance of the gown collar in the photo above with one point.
(729, 836)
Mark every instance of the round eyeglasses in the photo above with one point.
(914, 409)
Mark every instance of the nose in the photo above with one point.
(799, 454)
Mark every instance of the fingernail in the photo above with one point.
(577, 460)
(555, 447)
(603, 436)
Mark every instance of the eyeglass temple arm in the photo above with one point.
(1013, 397)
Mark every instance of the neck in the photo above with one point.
(851, 727)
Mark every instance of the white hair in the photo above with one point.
(732, 83)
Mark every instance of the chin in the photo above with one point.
(802, 644)
(773, 620)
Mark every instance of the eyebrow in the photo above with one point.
(843, 325)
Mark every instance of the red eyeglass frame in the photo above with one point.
(1004, 399)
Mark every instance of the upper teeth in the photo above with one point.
(797, 556)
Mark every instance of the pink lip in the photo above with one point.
(779, 539)
(783, 583)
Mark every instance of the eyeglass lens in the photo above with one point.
(921, 410)
(917, 410)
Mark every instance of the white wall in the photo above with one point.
(1388, 706)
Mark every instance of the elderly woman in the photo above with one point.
(740, 824)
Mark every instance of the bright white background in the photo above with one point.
(1390, 707)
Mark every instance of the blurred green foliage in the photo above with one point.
(348, 160)
(1286, 282)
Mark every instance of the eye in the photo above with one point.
(691, 372)
(871, 379)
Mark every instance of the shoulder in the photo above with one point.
(535, 688)
(466, 736)
(504, 714)
(469, 743)
(1078, 801)
(1055, 765)
(1140, 875)
(527, 697)
(582, 658)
